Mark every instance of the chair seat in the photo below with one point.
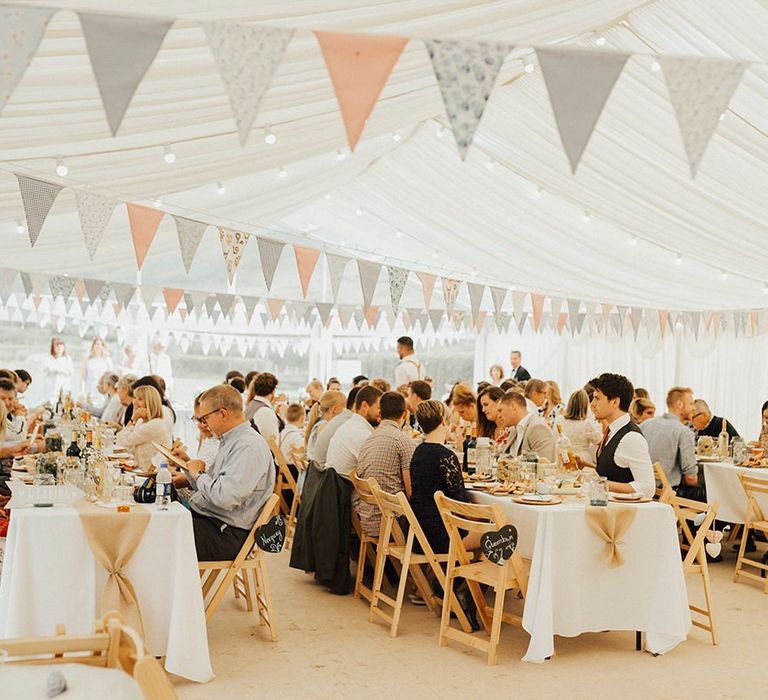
(485, 572)
(760, 525)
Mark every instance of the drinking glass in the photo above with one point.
(43, 490)
(598, 491)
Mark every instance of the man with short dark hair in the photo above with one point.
(622, 455)
(519, 373)
(230, 495)
(359, 380)
(529, 432)
(418, 391)
(260, 409)
(409, 369)
(386, 456)
(345, 444)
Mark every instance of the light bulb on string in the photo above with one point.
(655, 66)
(220, 188)
(538, 192)
(722, 116)
(169, 156)
(678, 259)
(327, 195)
(158, 201)
(440, 131)
(398, 234)
(20, 227)
(340, 155)
(723, 276)
(489, 164)
(269, 136)
(586, 217)
(632, 240)
(282, 172)
(435, 254)
(528, 67)
(61, 168)
(600, 41)
(359, 211)
(396, 136)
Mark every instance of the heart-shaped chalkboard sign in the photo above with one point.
(271, 535)
(499, 546)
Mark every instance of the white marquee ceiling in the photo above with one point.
(457, 218)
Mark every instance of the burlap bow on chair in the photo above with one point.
(611, 524)
(114, 538)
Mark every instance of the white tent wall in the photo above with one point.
(727, 372)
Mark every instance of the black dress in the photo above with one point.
(434, 468)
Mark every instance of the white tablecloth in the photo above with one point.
(724, 486)
(50, 577)
(570, 589)
(83, 682)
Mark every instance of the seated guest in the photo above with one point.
(536, 395)
(642, 410)
(8, 451)
(464, 403)
(15, 421)
(292, 436)
(434, 468)
(553, 407)
(315, 391)
(333, 384)
(418, 391)
(249, 378)
(487, 413)
(762, 441)
(156, 382)
(344, 446)
(238, 383)
(147, 425)
(381, 384)
(110, 407)
(124, 389)
(583, 433)
(232, 374)
(207, 447)
(258, 407)
(323, 439)
(622, 455)
(641, 393)
(497, 375)
(529, 432)
(230, 494)
(671, 442)
(331, 404)
(705, 423)
(385, 456)
(25, 380)
(359, 380)
(508, 384)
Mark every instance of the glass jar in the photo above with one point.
(598, 491)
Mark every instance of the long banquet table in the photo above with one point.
(724, 486)
(50, 577)
(570, 589)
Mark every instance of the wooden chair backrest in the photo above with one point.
(267, 511)
(472, 517)
(364, 488)
(282, 465)
(751, 486)
(661, 476)
(396, 505)
(299, 456)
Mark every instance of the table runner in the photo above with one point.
(610, 524)
(114, 538)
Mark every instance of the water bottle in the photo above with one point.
(483, 456)
(163, 487)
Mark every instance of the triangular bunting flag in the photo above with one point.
(359, 66)
(436, 318)
(275, 306)
(663, 320)
(555, 305)
(226, 303)
(269, 254)
(336, 265)
(635, 317)
(121, 48)
(306, 259)
(38, 197)
(93, 289)
(210, 304)
(172, 298)
(95, 212)
(250, 306)
(428, 286)
(521, 321)
(190, 233)
(345, 314)
(189, 302)
(299, 309)
(232, 246)
(21, 29)
(148, 295)
(369, 275)
(498, 294)
(450, 292)
(61, 285)
(144, 223)
(579, 82)
(518, 304)
(700, 90)
(573, 312)
(247, 58)
(324, 309)
(466, 72)
(397, 280)
(561, 319)
(537, 305)
(26, 282)
(476, 292)
(372, 315)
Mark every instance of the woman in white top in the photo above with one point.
(96, 364)
(145, 427)
(553, 408)
(57, 371)
(109, 409)
(582, 431)
(331, 404)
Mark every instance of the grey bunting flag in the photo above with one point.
(38, 197)
(369, 276)
(190, 233)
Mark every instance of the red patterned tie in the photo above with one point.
(601, 446)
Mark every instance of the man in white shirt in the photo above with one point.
(536, 395)
(409, 368)
(259, 409)
(345, 444)
(622, 455)
(530, 433)
(160, 363)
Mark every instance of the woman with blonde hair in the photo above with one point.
(331, 404)
(641, 410)
(146, 426)
(96, 364)
(554, 406)
(585, 435)
(464, 403)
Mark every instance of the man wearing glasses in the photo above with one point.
(230, 495)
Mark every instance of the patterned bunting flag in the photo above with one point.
(521, 319)
(359, 66)
(466, 72)
(369, 276)
(38, 197)
(450, 292)
(172, 298)
(397, 280)
(190, 233)
(306, 259)
(247, 58)
(232, 246)
(579, 83)
(700, 90)
(61, 286)
(189, 302)
(143, 222)
(21, 29)
(95, 212)
(121, 48)
(269, 254)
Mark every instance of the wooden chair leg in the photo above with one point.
(267, 598)
(213, 574)
(742, 551)
(401, 586)
(708, 602)
(445, 618)
(235, 588)
(378, 573)
(360, 566)
(259, 598)
(219, 594)
(247, 590)
(498, 611)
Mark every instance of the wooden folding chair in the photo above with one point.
(368, 543)
(695, 561)
(285, 482)
(299, 457)
(755, 520)
(478, 519)
(393, 543)
(249, 559)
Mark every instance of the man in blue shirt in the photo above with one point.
(230, 494)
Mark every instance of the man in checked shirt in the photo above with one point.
(386, 456)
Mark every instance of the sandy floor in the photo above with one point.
(328, 649)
